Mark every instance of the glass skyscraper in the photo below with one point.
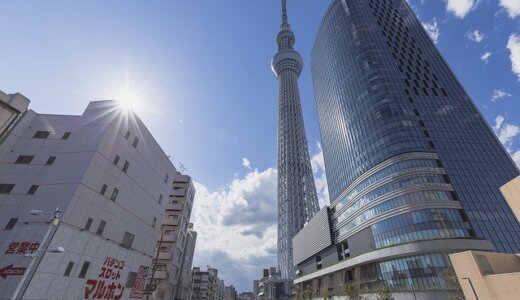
(413, 168)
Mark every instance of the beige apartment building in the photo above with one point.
(490, 275)
(175, 241)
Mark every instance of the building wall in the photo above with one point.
(492, 275)
(511, 192)
(173, 244)
(12, 107)
(74, 181)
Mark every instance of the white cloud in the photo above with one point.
(499, 94)
(237, 224)
(433, 30)
(485, 56)
(460, 8)
(512, 7)
(505, 132)
(475, 36)
(513, 44)
(516, 157)
(246, 163)
(320, 178)
(236, 227)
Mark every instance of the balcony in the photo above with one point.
(165, 255)
(160, 275)
(171, 222)
(174, 206)
(168, 238)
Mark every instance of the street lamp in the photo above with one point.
(54, 221)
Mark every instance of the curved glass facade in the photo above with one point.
(415, 272)
(383, 91)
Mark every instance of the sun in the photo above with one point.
(129, 99)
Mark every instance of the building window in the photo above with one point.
(33, 189)
(6, 188)
(24, 159)
(65, 136)
(101, 227)
(68, 269)
(103, 189)
(349, 276)
(115, 192)
(88, 224)
(127, 134)
(125, 166)
(128, 239)
(160, 199)
(173, 217)
(318, 262)
(116, 160)
(166, 178)
(154, 222)
(84, 269)
(11, 224)
(130, 280)
(135, 142)
(51, 160)
(41, 134)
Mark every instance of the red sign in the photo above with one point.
(11, 271)
(106, 285)
(138, 290)
(22, 248)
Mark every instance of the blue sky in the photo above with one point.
(201, 69)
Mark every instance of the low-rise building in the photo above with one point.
(246, 296)
(206, 285)
(12, 108)
(230, 293)
(272, 287)
(106, 174)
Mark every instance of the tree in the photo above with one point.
(352, 291)
(450, 278)
(383, 293)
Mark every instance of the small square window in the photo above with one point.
(103, 189)
(32, 189)
(166, 178)
(125, 166)
(115, 192)
(128, 240)
(24, 159)
(6, 188)
(88, 224)
(84, 269)
(11, 223)
(51, 160)
(41, 134)
(127, 134)
(135, 142)
(65, 136)
(116, 160)
(160, 199)
(154, 221)
(68, 269)
(130, 280)
(101, 227)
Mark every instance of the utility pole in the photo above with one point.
(154, 266)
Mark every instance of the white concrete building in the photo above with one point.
(109, 176)
(12, 107)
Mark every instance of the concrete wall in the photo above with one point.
(511, 192)
(501, 282)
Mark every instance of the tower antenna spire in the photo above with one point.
(284, 12)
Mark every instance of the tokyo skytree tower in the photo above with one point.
(297, 199)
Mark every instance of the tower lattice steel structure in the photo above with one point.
(297, 199)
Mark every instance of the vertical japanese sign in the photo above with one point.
(106, 286)
(138, 290)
